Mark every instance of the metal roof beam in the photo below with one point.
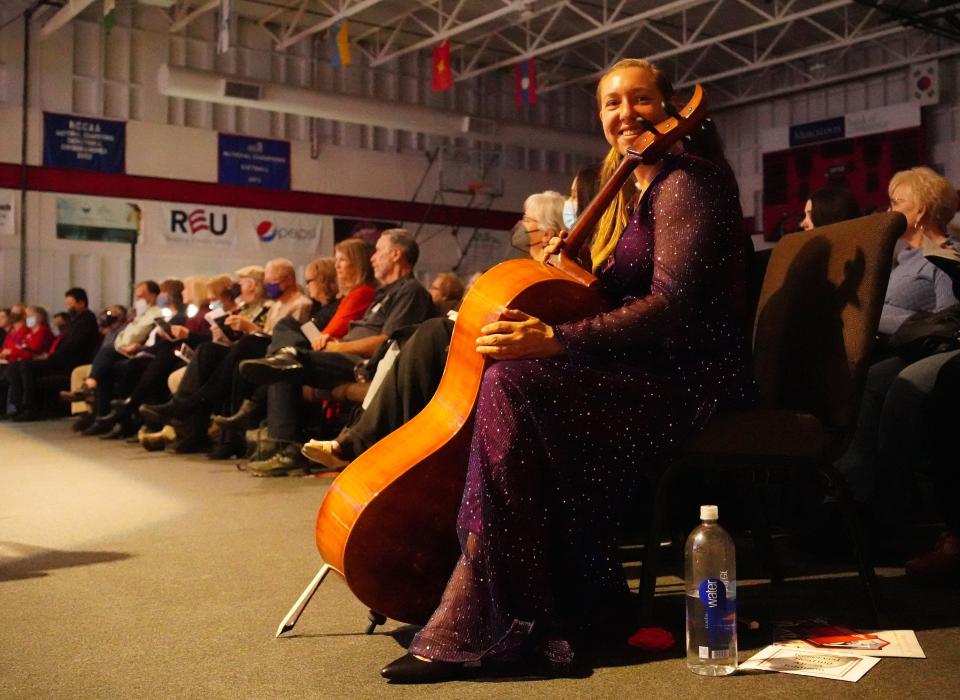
(706, 43)
(63, 16)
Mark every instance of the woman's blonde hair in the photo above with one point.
(615, 218)
(219, 287)
(356, 251)
(195, 289)
(931, 191)
(323, 268)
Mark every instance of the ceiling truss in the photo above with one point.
(733, 46)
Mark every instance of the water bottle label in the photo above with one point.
(716, 616)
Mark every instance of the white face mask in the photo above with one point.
(140, 305)
(569, 213)
(31, 321)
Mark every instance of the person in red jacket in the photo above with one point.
(33, 339)
(355, 280)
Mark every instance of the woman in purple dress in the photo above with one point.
(572, 420)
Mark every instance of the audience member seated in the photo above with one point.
(16, 331)
(941, 564)
(401, 301)
(446, 290)
(344, 289)
(110, 364)
(413, 378)
(37, 379)
(4, 324)
(147, 378)
(828, 206)
(207, 385)
(30, 339)
(896, 395)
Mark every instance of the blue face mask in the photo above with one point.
(163, 300)
(31, 321)
(216, 305)
(569, 213)
(273, 290)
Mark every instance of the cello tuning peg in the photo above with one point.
(648, 126)
(671, 110)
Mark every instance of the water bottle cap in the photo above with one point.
(709, 513)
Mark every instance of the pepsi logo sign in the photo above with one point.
(267, 230)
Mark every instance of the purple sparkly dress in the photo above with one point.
(561, 445)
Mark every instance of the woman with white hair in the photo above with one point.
(542, 219)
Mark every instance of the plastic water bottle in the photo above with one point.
(710, 575)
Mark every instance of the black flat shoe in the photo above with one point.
(409, 669)
(279, 367)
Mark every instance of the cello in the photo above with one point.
(388, 522)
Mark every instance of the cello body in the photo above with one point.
(388, 522)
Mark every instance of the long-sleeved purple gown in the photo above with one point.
(561, 444)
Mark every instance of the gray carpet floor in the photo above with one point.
(125, 574)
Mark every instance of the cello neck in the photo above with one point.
(649, 147)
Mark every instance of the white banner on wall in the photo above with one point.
(8, 212)
(273, 229)
(870, 121)
(198, 223)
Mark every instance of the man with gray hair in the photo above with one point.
(400, 301)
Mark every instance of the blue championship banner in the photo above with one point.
(84, 143)
(254, 162)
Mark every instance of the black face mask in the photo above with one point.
(72, 312)
(235, 290)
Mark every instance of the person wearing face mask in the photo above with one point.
(542, 219)
(582, 191)
(16, 332)
(39, 379)
(144, 378)
(413, 378)
(153, 301)
(209, 379)
(36, 339)
(31, 344)
(400, 301)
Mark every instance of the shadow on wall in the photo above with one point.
(21, 561)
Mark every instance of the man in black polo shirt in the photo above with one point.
(401, 301)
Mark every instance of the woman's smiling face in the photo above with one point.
(626, 95)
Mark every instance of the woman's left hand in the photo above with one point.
(179, 332)
(517, 336)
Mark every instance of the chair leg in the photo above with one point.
(854, 526)
(651, 552)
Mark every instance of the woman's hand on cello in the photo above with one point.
(554, 244)
(518, 336)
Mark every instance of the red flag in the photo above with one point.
(442, 75)
(526, 76)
